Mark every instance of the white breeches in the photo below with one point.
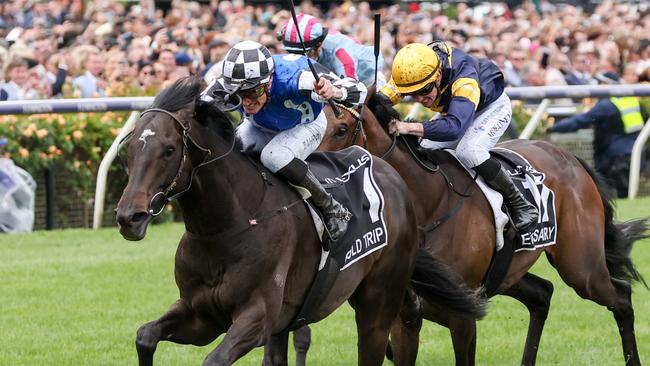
(278, 148)
(473, 147)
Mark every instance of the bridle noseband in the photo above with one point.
(186, 137)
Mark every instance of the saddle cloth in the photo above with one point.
(530, 182)
(348, 175)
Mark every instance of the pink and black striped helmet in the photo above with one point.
(311, 29)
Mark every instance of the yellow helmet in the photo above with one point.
(414, 67)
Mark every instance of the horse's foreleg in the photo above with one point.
(251, 328)
(301, 342)
(624, 315)
(534, 292)
(275, 352)
(179, 324)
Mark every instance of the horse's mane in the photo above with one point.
(182, 93)
(185, 93)
(382, 108)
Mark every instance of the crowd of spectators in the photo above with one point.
(102, 48)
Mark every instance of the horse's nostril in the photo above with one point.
(139, 216)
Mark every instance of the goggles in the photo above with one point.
(255, 93)
(424, 91)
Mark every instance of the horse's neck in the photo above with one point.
(223, 196)
(421, 183)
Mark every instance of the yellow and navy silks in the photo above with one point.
(468, 85)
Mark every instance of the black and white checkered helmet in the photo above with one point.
(246, 66)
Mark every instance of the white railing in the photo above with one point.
(141, 103)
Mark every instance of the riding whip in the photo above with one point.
(292, 9)
(377, 26)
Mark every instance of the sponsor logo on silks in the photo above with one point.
(143, 137)
(363, 160)
(366, 241)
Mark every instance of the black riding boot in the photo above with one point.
(523, 213)
(336, 216)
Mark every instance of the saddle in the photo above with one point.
(529, 181)
(347, 175)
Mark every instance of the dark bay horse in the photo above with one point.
(591, 253)
(249, 252)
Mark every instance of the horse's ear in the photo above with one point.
(371, 90)
(382, 108)
(211, 115)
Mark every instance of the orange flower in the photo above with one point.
(23, 152)
(41, 133)
(29, 131)
(52, 149)
(77, 135)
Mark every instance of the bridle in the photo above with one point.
(186, 137)
(358, 127)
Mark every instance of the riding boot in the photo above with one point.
(523, 213)
(336, 216)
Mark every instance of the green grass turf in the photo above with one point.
(76, 297)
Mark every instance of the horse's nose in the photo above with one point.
(128, 218)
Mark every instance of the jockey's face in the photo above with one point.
(428, 97)
(314, 53)
(254, 102)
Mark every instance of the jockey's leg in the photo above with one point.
(474, 152)
(285, 155)
(523, 213)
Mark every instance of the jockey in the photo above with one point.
(282, 105)
(336, 51)
(475, 112)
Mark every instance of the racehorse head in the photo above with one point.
(355, 129)
(166, 147)
(343, 131)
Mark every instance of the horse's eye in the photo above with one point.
(169, 151)
(342, 131)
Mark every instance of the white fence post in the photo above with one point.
(102, 172)
(635, 161)
(534, 120)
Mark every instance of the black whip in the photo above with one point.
(292, 9)
(377, 30)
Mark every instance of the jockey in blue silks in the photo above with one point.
(282, 105)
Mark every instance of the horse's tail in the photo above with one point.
(433, 281)
(619, 237)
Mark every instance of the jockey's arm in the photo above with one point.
(460, 114)
(348, 91)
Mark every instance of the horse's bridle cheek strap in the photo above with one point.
(164, 194)
(186, 138)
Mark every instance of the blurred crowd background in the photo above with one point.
(73, 48)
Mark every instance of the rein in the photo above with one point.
(433, 170)
(257, 219)
(186, 137)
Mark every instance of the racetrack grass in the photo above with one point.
(76, 297)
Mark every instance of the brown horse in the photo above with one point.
(591, 254)
(249, 254)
